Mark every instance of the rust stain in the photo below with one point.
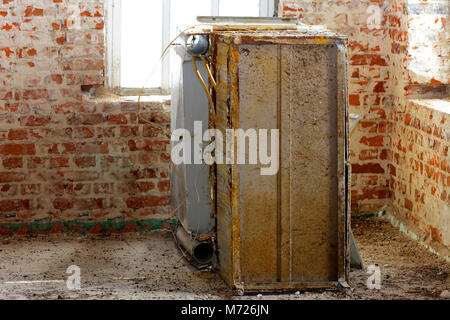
(321, 40)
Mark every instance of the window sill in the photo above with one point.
(104, 95)
(150, 98)
(441, 105)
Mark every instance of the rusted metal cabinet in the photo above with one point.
(288, 231)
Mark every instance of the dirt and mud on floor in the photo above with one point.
(149, 266)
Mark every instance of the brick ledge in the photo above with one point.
(419, 236)
(441, 105)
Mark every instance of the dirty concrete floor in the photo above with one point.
(149, 266)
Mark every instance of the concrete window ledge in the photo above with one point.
(434, 116)
(104, 101)
(162, 99)
(103, 95)
(440, 105)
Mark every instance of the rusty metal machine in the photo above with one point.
(289, 230)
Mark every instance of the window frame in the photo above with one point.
(113, 45)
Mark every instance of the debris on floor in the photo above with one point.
(149, 266)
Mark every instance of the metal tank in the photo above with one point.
(290, 230)
(287, 231)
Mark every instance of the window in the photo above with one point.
(139, 30)
(427, 37)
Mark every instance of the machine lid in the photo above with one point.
(246, 23)
(248, 20)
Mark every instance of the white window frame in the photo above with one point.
(113, 44)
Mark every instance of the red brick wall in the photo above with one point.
(65, 155)
(419, 49)
(420, 167)
(369, 92)
(400, 153)
(419, 128)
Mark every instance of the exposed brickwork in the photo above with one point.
(400, 153)
(419, 48)
(64, 155)
(419, 129)
(420, 168)
(369, 92)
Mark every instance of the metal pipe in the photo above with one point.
(202, 252)
(205, 88)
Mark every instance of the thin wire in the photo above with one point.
(210, 100)
(139, 116)
(172, 214)
(141, 92)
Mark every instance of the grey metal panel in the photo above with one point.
(190, 104)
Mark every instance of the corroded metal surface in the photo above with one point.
(288, 231)
(343, 168)
(258, 196)
(224, 192)
(312, 162)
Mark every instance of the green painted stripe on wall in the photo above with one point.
(117, 225)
